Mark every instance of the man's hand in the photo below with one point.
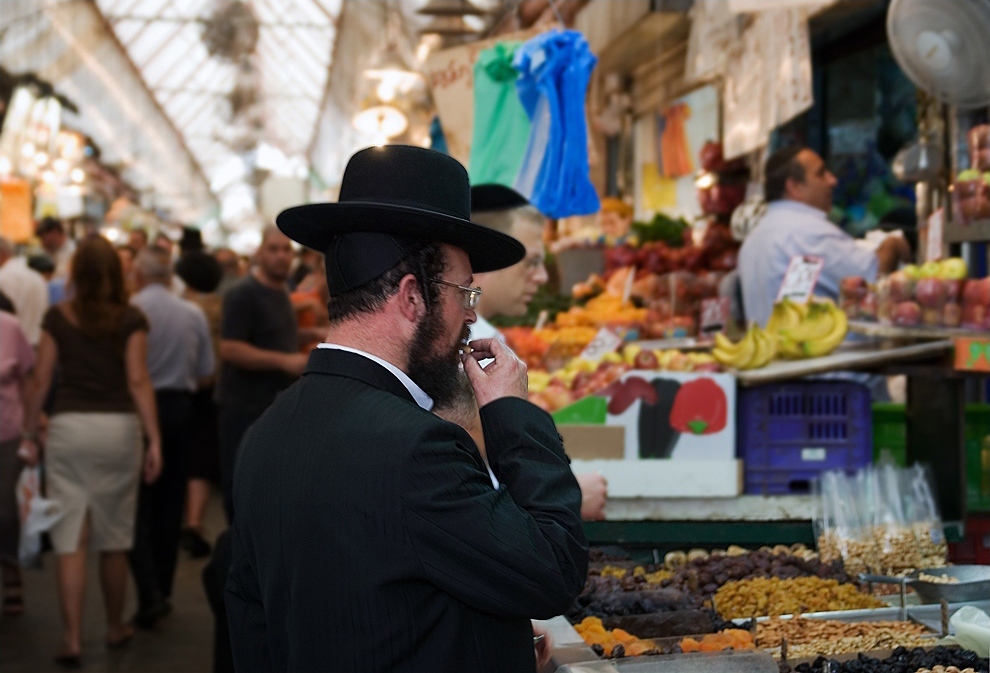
(295, 363)
(505, 377)
(893, 251)
(152, 461)
(543, 646)
(594, 491)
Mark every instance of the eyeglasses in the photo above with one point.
(469, 295)
(531, 264)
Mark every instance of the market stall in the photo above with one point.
(727, 465)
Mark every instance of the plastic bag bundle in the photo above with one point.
(924, 518)
(883, 520)
(838, 522)
(37, 515)
(554, 70)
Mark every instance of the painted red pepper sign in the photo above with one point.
(700, 408)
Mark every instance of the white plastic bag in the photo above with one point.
(37, 514)
(972, 630)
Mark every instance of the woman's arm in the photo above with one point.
(34, 389)
(139, 385)
(36, 392)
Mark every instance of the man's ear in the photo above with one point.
(410, 299)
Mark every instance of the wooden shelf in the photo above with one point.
(866, 355)
(875, 329)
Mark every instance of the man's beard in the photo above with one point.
(435, 373)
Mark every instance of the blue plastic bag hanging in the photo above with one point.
(554, 70)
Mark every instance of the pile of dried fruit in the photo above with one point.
(614, 643)
(817, 637)
(704, 575)
(902, 660)
(730, 639)
(770, 597)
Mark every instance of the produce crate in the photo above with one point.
(889, 435)
(790, 433)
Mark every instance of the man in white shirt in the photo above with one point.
(509, 291)
(26, 289)
(57, 245)
(798, 188)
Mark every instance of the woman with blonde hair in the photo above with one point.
(93, 452)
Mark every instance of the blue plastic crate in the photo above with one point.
(789, 433)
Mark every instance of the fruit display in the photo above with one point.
(618, 643)
(793, 331)
(808, 638)
(936, 294)
(703, 576)
(901, 660)
(580, 378)
(771, 596)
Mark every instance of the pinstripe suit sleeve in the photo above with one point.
(245, 613)
(518, 551)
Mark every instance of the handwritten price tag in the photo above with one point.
(715, 314)
(801, 278)
(936, 236)
(606, 341)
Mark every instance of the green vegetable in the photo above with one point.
(662, 228)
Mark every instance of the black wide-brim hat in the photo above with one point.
(389, 195)
(493, 197)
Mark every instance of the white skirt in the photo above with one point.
(93, 465)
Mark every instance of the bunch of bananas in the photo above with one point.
(756, 349)
(809, 330)
(793, 331)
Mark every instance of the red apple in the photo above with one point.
(645, 359)
(907, 314)
(853, 287)
(953, 290)
(930, 292)
(975, 316)
(900, 287)
(977, 292)
(951, 315)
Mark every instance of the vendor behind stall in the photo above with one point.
(798, 188)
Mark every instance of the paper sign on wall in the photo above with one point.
(801, 278)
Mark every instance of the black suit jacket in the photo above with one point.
(368, 537)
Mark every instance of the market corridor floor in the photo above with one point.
(182, 641)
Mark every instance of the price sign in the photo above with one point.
(801, 278)
(936, 236)
(715, 314)
(606, 341)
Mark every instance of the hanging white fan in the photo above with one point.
(943, 46)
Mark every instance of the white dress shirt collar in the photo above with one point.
(797, 206)
(421, 398)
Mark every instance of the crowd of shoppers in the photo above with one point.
(123, 372)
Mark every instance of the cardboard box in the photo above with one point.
(594, 442)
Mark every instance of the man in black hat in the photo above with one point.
(369, 535)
